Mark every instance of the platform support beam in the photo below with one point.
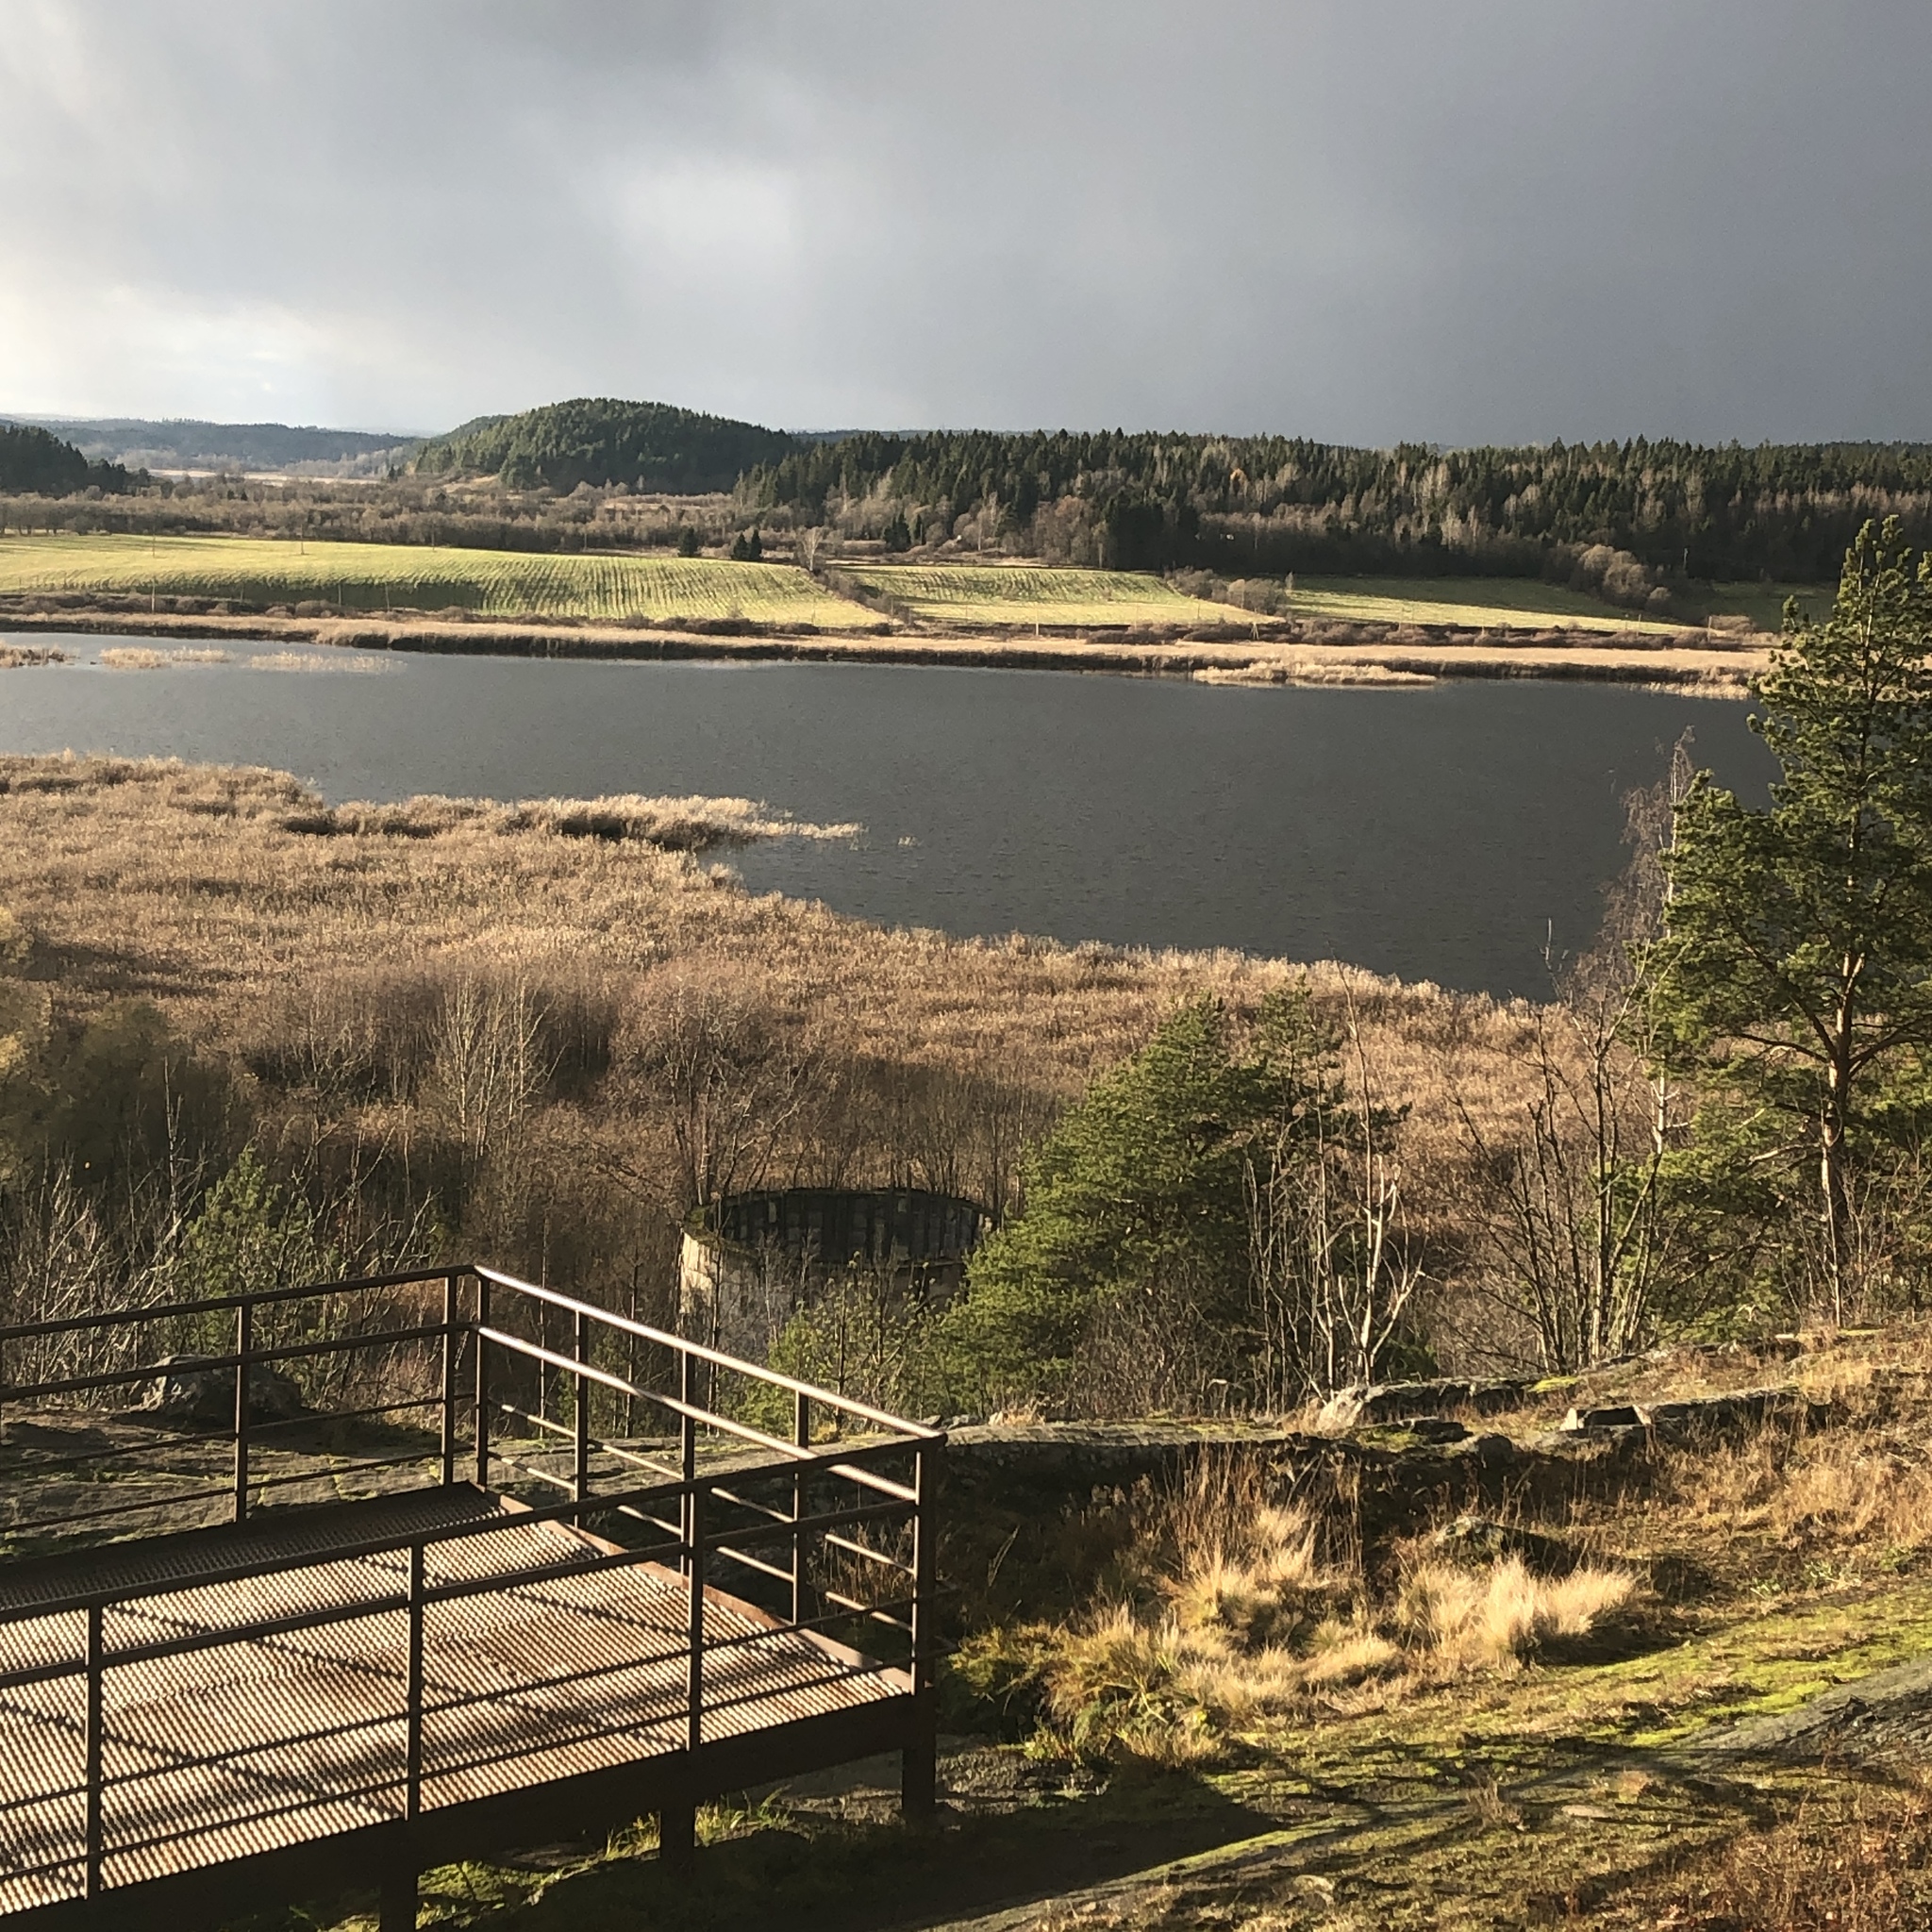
(677, 1836)
(399, 1903)
(918, 1761)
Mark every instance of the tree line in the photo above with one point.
(34, 462)
(1726, 1124)
(1720, 1125)
(599, 442)
(1268, 504)
(1651, 514)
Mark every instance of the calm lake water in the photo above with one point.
(1439, 832)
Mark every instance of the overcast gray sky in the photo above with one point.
(1501, 220)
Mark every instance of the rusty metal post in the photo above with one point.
(580, 1479)
(482, 1384)
(918, 1761)
(695, 1702)
(96, 1792)
(452, 1350)
(801, 1434)
(244, 1340)
(678, 1834)
(688, 1437)
(412, 1796)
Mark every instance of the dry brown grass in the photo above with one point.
(359, 663)
(1850, 1487)
(210, 891)
(1240, 1643)
(1229, 1607)
(23, 656)
(1849, 1861)
(1413, 653)
(1463, 1619)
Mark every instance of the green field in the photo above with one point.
(1018, 593)
(376, 577)
(1464, 603)
(373, 577)
(1764, 603)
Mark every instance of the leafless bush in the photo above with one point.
(1575, 1233)
(1332, 1263)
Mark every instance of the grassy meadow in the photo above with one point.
(1764, 603)
(1463, 604)
(377, 576)
(1018, 594)
(363, 579)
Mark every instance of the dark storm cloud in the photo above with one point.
(1486, 222)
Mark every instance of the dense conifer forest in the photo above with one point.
(1261, 505)
(602, 442)
(36, 462)
(1652, 514)
(1274, 504)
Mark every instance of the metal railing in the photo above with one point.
(819, 1529)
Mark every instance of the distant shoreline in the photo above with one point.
(1415, 656)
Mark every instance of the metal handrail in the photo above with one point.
(69, 1325)
(827, 1462)
(684, 1345)
(694, 1519)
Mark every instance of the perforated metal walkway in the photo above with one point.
(296, 1728)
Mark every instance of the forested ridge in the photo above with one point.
(1287, 503)
(1662, 513)
(600, 441)
(35, 461)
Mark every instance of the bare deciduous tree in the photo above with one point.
(731, 1083)
(1331, 1269)
(1575, 1231)
(488, 1060)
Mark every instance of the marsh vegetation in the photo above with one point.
(245, 1031)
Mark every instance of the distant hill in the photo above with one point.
(241, 448)
(35, 463)
(598, 441)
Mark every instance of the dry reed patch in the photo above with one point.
(23, 657)
(145, 657)
(673, 824)
(321, 948)
(308, 660)
(190, 882)
(1309, 671)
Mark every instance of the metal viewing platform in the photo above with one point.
(372, 1575)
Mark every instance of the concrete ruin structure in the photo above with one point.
(749, 1261)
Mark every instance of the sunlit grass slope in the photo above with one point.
(1465, 603)
(373, 576)
(1764, 603)
(1033, 594)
